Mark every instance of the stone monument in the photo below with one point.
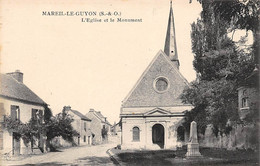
(193, 145)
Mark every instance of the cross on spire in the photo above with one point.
(170, 47)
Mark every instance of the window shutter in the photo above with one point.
(41, 116)
(2, 112)
(34, 114)
(13, 113)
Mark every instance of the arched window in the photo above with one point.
(136, 134)
(244, 102)
(180, 133)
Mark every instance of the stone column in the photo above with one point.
(148, 135)
(166, 130)
(193, 145)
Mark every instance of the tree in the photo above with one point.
(239, 14)
(220, 65)
(60, 125)
(53, 126)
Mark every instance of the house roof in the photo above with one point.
(83, 117)
(13, 89)
(253, 78)
(100, 116)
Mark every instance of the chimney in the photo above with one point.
(67, 108)
(17, 75)
(105, 119)
(91, 110)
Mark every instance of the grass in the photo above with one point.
(211, 156)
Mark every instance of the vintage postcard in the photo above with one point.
(120, 82)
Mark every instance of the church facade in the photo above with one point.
(152, 113)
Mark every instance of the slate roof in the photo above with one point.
(83, 117)
(143, 93)
(252, 79)
(11, 88)
(101, 117)
(99, 114)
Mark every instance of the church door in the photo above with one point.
(158, 135)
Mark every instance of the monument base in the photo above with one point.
(193, 150)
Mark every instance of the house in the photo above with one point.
(116, 128)
(22, 104)
(152, 112)
(248, 95)
(243, 134)
(82, 125)
(99, 126)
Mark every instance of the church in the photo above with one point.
(152, 113)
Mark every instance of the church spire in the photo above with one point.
(170, 47)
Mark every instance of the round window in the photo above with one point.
(161, 84)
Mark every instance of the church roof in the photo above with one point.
(13, 89)
(144, 93)
(170, 47)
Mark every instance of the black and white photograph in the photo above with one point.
(129, 82)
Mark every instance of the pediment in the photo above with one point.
(157, 112)
(146, 93)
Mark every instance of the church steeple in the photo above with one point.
(170, 47)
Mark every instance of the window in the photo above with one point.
(2, 112)
(244, 102)
(245, 92)
(84, 138)
(37, 115)
(180, 133)
(136, 134)
(85, 126)
(161, 84)
(1, 140)
(15, 112)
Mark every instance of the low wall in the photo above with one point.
(240, 137)
(58, 142)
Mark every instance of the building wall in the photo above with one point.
(252, 96)
(25, 116)
(85, 135)
(241, 136)
(95, 127)
(145, 125)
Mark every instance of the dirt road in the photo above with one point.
(83, 155)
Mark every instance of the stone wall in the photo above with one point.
(95, 127)
(58, 142)
(252, 96)
(240, 137)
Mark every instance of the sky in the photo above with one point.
(90, 65)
